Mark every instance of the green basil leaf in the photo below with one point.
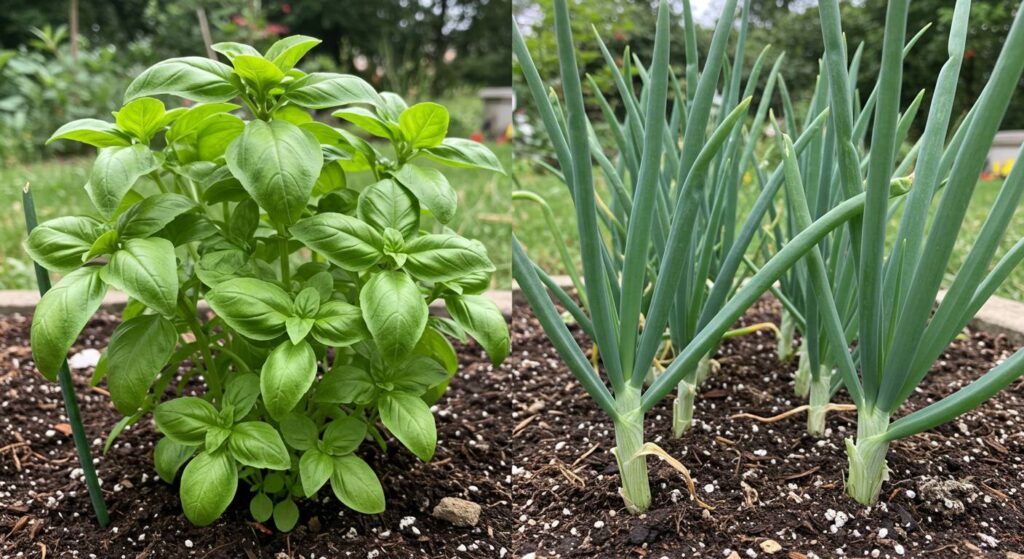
(254, 308)
(286, 376)
(323, 283)
(297, 328)
(387, 204)
(346, 384)
(93, 132)
(215, 438)
(424, 125)
(315, 468)
(142, 118)
(241, 392)
(215, 134)
(287, 52)
(434, 345)
(257, 71)
(431, 188)
(459, 152)
(286, 515)
(258, 444)
(356, 485)
(138, 351)
(185, 420)
(146, 269)
(153, 214)
(58, 245)
(188, 123)
(481, 317)
(192, 77)
(439, 258)
(261, 507)
(208, 486)
(307, 303)
(168, 457)
(332, 177)
(104, 244)
(115, 172)
(231, 49)
(293, 114)
(394, 105)
(395, 313)
(60, 316)
(322, 90)
(277, 164)
(339, 324)
(343, 436)
(410, 421)
(245, 219)
(346, 241)
(188, 228)
(219, 266)
(417, 374)
(299, 431)
(368, 121)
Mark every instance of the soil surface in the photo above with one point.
(45, 509)
(775, 492)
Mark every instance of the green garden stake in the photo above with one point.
(67, 388)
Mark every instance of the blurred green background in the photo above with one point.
(789, 26)
(53, 71)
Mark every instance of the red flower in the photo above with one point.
(476, 137)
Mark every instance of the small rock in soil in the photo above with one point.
(770, 547)
(458, 512)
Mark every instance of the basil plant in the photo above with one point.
(320, 337)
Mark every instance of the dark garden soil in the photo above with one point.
(45, 509)
(955, 491)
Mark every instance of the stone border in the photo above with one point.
(24, 302)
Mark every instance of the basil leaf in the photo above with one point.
(258, 444)
(60, 316)
(231, 49)
(93, 132)
(257, 71)
(168, 457)
(424, 125)
(188, 122)
(138, 351)
(146, 269)
(321, 90)
(286, 515)
(368, 121)
(297, 328)
(346, 241)
(482, 318)
(254, 308)
(346, 384)
(339, 324)
(59, 244)
(115, 172)
(287, 52)
(216, 436)
(185, 420)
(395, 313)
(315, 468)
(439, 258)
(393, 104)
(142, 118)
(219, 266)
(343, 436)
(417, 374)
(215, 134)
(277, 164)
(387, 204)
(299, 431)
(356, 485)
(208, 486)
(153, 214)
(104, 244)
(192, 77)
(410, 421)
(261, 507)
(241, 392)
(245, 219)
(459, 152)
(286, 376)
(431, 188)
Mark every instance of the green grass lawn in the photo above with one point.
(58, 190)
(539, 244)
